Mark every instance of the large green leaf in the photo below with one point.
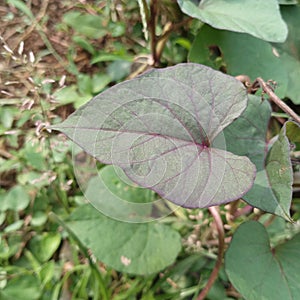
(259, 18)
(272, 190)
(290, 52)
(164, 129)
(259, 272)
(127, 247)
(249, 56)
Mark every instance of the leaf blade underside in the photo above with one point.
(164, 129)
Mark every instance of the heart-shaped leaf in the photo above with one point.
(259, 272)
(272, 189)
(164, 129)
(289, 52)
(261, 18)
(126, 247)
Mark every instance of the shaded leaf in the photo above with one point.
(164, 129)
(259, 272)
(250, 56)
(16, 199)
(126, 247)
(293, 132)
(261, 18)
(114, 197)
(89, 25)
(43, 246)
(290, 51)
(25, 287)
(247, 136)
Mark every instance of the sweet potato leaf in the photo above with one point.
(261, 18)
(289, 52)
(164, 129)
(272, 189)
(259, 272)
(126, 247)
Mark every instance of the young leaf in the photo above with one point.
(259, 272)
(164, 129)
(261, 18)
(126, 247)
(272, 189)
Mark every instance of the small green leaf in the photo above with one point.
(119, 69)
(16, 199)
(39, 218)
(22, 7)
(261, 18)
(25, 287)
(43, 246)
(259, 272)
(84, 44)
(126, 247)
(14, 226)
(89, 25)
(293, 132)
(10, 246)
(71, 94)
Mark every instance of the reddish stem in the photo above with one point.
(214, 274)
(266, 88)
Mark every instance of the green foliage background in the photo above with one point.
(53, 244)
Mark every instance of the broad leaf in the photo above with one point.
(249, 56)
(290, 52)
(272, 190)
(164, 129)
(126, 247)
(259, 272)
(261, 18)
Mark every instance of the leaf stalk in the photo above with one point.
(273, 97)
(214, 274)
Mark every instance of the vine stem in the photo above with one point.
(273, 97)
(152, 30)
(214, 274)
